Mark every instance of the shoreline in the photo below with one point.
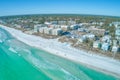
(93, 61)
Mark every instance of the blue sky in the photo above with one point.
(97, 7)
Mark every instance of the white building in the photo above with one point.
(115, 49)
(90, 36)
(65, 27)
(54, 22)
(41, 30)
(47, 23)
(97, 44)
(82, 39)
(71, 22)
(74, 27)
(115, 42)
(63, 22)
(98, 23)
(105, 46)
(116, 23)
(106, 38)
(54, 26)
(36, 27)
(117, 32)
(17, 26)
(56, 31)
(48, 31)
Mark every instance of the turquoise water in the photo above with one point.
(19, 61)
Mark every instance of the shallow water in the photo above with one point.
(19, 61)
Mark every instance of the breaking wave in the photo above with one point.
(49, 68)
(12, 49)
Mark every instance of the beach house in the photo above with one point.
(71, 22)
(106, 38)
(82, 29)
(54, 22)
(97, 44)
(36, 27)
(54, 26)
(105, 46)
(57, 31)
(17, 26)
(97, 23)
(117, 32)
(116, 23)
(74, 27)
(48, 31)
(41, 30)
(62, 22)
(82, 39)
(65, 27)
(115, 49)
(47, 23)
(115, 42)
(90, 36)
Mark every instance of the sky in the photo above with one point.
(94, 7)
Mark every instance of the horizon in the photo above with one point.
(59, 14)
(86, 7)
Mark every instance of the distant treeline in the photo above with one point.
(77, 17)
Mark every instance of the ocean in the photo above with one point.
(19, 61)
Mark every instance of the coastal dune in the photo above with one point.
(97, 62)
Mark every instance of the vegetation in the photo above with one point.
(28, 22)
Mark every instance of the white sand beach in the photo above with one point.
(101, 63)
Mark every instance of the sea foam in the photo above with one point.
(11, 49)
